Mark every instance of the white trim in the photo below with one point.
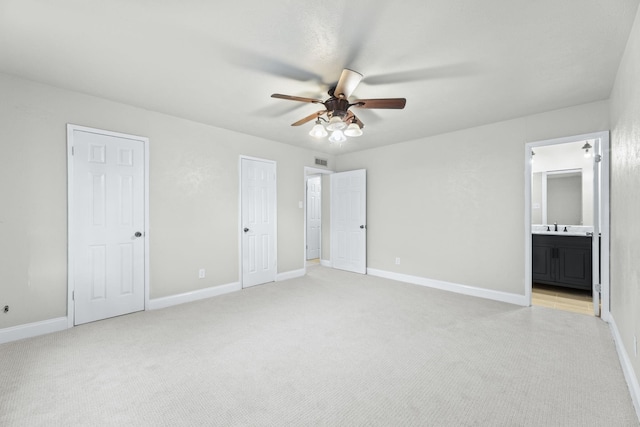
(325, 262)
(34, 329)
(275, 214)
(528, 267)
(544, 198)
(147, 226)
(627, 366)
(605, 224)
(291, 274)
(452, 287)
(604, 220)
(70, 219)
(213, 291)
(308, 170)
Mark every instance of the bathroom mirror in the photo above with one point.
(557, 197)
(564, 197)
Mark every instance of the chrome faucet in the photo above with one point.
(555, 226)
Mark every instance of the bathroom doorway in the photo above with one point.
(567, 223)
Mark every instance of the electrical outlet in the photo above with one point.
(397, 261)
(6, 308)
(201, 273)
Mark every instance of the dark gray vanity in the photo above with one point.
(562, 260)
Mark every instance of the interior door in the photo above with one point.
(258, 206)
(314, 221)
(595, 240)
(107, 230)
(349, 221)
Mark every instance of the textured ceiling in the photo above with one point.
(459, 63)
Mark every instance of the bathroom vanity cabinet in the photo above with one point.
(562, 260)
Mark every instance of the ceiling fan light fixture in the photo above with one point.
(337, 136)
(353, 130)
(336, 123)
(318, 131)
(341, 122)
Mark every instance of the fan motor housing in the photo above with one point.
(336, 107)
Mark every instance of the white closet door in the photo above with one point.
(349, 221)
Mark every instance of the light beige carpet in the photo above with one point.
(332, 348)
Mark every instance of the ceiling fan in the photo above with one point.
(337, 108)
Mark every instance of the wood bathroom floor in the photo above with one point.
(565, 299)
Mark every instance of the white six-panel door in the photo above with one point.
(349, 221)
(258, 212)
(107, 227)
(314, 220)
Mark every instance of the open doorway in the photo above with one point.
(567, 223)
(314, 219)
(316, 216)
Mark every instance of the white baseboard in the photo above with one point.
(291, 274)
(452, 287)
(158, 303)
(192, 296)
(325, 262)
(34, 329)
(627, 367)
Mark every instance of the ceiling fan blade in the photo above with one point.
(389, 103)
(355, 34)
(349, 80)
(253, 60)
(297, 98)
(309, 118)
(461, 69)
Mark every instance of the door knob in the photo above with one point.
(246, 229)
(138, 234)
(362, 226)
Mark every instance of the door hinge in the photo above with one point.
(73, 295)
(598, 158)
(598, 287)
(73, 151)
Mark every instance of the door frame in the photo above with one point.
(275, 215)
(605, 149)
(71, 251)
(307, 172)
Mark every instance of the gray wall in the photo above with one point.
(625, 196)
(194, 183)
(536, 198)
(326, 217)
(452, 206)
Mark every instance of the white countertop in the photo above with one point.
(563, 233)
(572, 230)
